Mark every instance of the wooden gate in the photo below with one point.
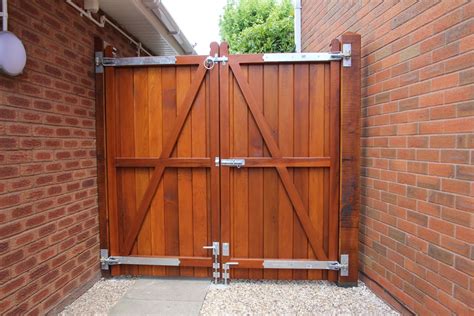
(247, 169)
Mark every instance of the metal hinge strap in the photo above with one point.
(101, 61)
(106, 260)
(342, 266)
(344, 55)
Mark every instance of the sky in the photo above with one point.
(198, 20)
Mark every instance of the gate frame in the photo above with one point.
(349, 193)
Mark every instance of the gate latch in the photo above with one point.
(210, 61)
(215, 264)
(232, 162)
(226, 272)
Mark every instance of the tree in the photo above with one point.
(258, 26)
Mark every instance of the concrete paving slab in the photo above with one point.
(149, 296)
(169, 290)
(154, 307)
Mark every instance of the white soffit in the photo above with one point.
(148, 25)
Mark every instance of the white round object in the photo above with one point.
(12, 54)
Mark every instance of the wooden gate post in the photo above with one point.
(350, 159)
(100, 149)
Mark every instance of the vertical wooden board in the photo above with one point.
(285, 125)
(255, 79)
(140, 93)
(214, 82)
(127, 149)
(240, 209)
(334, 149)
(316, 149)
(185, 189)
(231, 152)
(155, 123)
(301, 147)
(170, 176)
(327, 153)
(226, 81)
(271, 179)
(200, 185)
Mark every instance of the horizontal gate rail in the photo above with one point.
(291, 162)
(165, 162)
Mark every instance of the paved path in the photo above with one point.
(163, 297)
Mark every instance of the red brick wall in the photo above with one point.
(49, 241)
(416, 229)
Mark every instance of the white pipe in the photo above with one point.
(4, 15)
(85, 13)
(298, 26)
(101, 23)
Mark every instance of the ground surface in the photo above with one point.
(146, 296)
(100, 298)
(292, 297)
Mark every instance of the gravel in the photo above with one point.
(100, 297)
(292, 298)
(244, 297)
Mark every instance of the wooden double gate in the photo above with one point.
(231, 165)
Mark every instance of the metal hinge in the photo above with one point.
(342, 266)
(346, 55)
(99, 67)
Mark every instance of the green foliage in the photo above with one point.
(258, 26)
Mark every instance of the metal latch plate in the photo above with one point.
(225, 249)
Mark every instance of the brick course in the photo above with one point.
(416, 229)
(49, 241)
